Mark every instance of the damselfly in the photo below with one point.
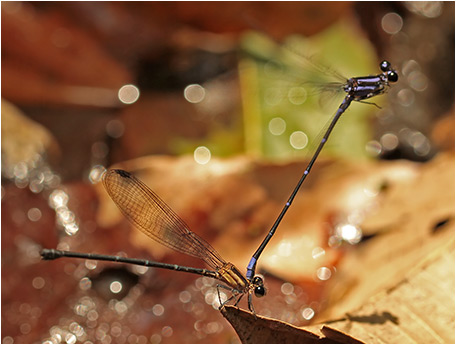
(151, 215)
(357, 89)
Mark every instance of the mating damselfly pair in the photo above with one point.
(151, 215)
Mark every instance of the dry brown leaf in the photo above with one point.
(420, 309)
(414, 218)
(261, 330)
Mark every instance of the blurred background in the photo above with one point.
(195, 100)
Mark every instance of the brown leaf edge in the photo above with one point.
(255, 329)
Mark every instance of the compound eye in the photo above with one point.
(384, 66)
(259, 291)
(392, 76)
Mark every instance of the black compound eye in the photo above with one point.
(385, 66)
(259, 291)
(392, 76)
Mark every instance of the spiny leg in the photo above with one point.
(370, 103)
(219, 295)
(239, 298)
(250, 305)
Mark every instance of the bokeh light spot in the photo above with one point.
(307, 313)
(389, 141)
(128, 94)
(96, 173)
(202, 155)
(194, 93)
(323, 273)
(392, 23)
(287, 288)
(38, 282)
(115, 287)
(115, 128)
(167, 331)
(277, 126)
(297, 95)
(406, 97)
(34, 214)
(298, 140)
(158, 309)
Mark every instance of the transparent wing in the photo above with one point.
(151, 215)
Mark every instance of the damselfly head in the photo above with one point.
(392, 75)
(259, 288)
